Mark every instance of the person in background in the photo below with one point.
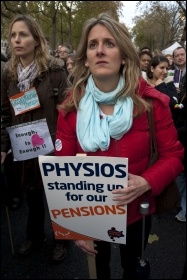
(171, 68)
(145, 49)
(156, 76)
(104, 115)
(31, 67)
(70, 66)
(179, 58)
(171, 63)
(70, 63)
(145, 57)
(64, 51)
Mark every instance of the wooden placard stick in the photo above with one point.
(91, 262)
(90, 258)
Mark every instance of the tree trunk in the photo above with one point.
(53, 43)
(183, 38)
(23, 7)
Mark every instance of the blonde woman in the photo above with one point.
(29, 95)
(105, 115)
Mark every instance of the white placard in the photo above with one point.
(79, 196)
(29, 140)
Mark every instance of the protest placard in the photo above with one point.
(31, 139)
(79, 196)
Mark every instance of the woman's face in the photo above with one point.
(69, 64)
(103, 55)
(170, 59)
(22, 41)
(160, 71)
(144, 61)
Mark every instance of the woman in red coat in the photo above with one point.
(106, 115)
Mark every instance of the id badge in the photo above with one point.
(25, 101)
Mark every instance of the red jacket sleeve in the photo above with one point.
(66, 143)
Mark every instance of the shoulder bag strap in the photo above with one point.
(153, 144)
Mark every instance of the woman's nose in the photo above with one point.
(17, 38)
(100, 50)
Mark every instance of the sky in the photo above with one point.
(129, 11)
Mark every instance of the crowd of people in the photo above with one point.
(94, 101)
(169, 77)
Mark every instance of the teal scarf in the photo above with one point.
(94, 132)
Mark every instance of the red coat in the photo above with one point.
(135, 146)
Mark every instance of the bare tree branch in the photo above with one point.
(11, 9)
(180, 3)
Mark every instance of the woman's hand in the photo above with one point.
(3, 156)
(137, 185)
(85, 247)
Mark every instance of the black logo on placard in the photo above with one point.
(113, 233)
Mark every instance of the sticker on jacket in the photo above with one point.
(58, 145)
(29, 140)
(25, 101)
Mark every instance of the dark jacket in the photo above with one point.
(179, 117)
(170, 90)
(50, 87)
(48, 97)
(178, 114)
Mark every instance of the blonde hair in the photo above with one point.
(130, 71)
(42, 54)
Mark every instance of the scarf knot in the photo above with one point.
(94, 132)
(26, 75)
